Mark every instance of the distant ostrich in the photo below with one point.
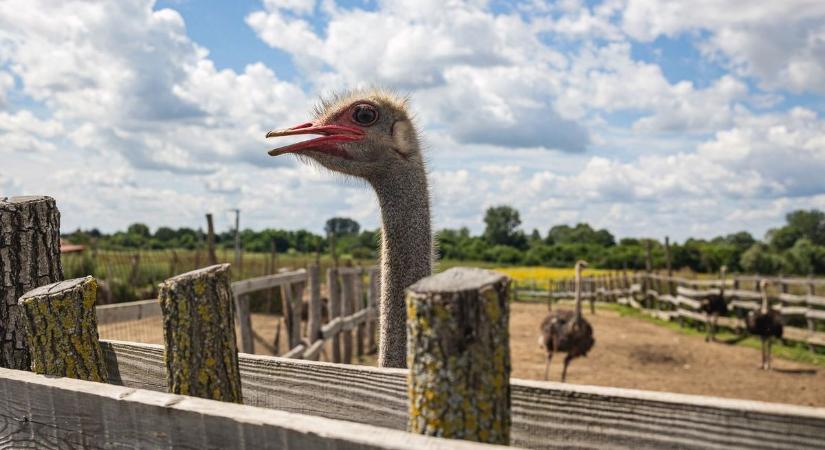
(767, 324)
(567, 331)
(714, 305)
(370, 135)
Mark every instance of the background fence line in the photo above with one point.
(678, 298)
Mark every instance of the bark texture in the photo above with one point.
(199, 334)
(61, 330)
(459, 356)
(29, 258)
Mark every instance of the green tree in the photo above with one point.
(342, 226)
(501, 227)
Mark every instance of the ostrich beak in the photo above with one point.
(331, 136)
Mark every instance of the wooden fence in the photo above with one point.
(357, 310)
(677, 298)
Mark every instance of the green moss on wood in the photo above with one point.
(61, 328)
(199, 333)
(459, 360)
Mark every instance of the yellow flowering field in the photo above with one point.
(546, 273)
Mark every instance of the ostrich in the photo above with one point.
(567, 331)
(714, 305)
(370, 135)
(767, 324)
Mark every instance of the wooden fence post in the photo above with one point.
(809, 320)
(347, 303)
(243, 319)
(29, 258)
(199, 334)
(291, 294)
(61, 330)
(360, 330)
(459, 356)
(210, 241)
(334, 306)
(314, 314)
(372, 304)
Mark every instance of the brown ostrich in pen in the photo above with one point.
(370, 135)
(765, 323)
(567, 331)
(713, 306)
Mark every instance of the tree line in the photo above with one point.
(797, 247)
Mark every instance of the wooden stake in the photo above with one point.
(314, 313)
(210, 241)
(199, 333)
(347, 304)
(334, 310)
(29, 257)
(61, 328)
(459, 356)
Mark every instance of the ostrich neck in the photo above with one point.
(578, 294)
(406, 254)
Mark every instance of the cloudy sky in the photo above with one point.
(648, 117)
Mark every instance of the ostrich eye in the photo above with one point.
(364, 115)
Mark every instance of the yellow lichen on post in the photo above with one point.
(199, 334)
(458, 356)
(61, 330)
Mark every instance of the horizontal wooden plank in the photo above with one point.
(296, 352)
(815, 314)
(793, 310)
(792, 298)
(545, 415)
(743, 294)
(332, 328)
(669, 299)
(350, 270)
(815, 300)
(268, 282)
(743, 304)
(125, 312)
(46, 412)
(314, 350)
(688, 302)
(695, 293)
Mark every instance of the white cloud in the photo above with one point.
(780, 43)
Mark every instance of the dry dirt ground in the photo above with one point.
(629, 353)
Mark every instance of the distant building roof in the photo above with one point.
(66, 247)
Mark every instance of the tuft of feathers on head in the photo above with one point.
(331, 103)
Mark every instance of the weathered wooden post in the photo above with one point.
(29, 258)
(372, 304)
(334, 306)
(291, 293)
(459, 356)
(360, 329)
(314, 313)
(243, 319)
(810, 321)
(199, 334)
(210, 241)
(61, 330)
(347, 304)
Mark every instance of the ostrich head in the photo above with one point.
(366, 134)
(580, 265)
(370, 135)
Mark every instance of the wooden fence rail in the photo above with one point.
(677, 298)
(44, 412)
(544, 414)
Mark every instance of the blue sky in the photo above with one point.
(647, 117)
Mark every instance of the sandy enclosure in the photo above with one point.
(629, 353)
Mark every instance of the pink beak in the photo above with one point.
(331, 136)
